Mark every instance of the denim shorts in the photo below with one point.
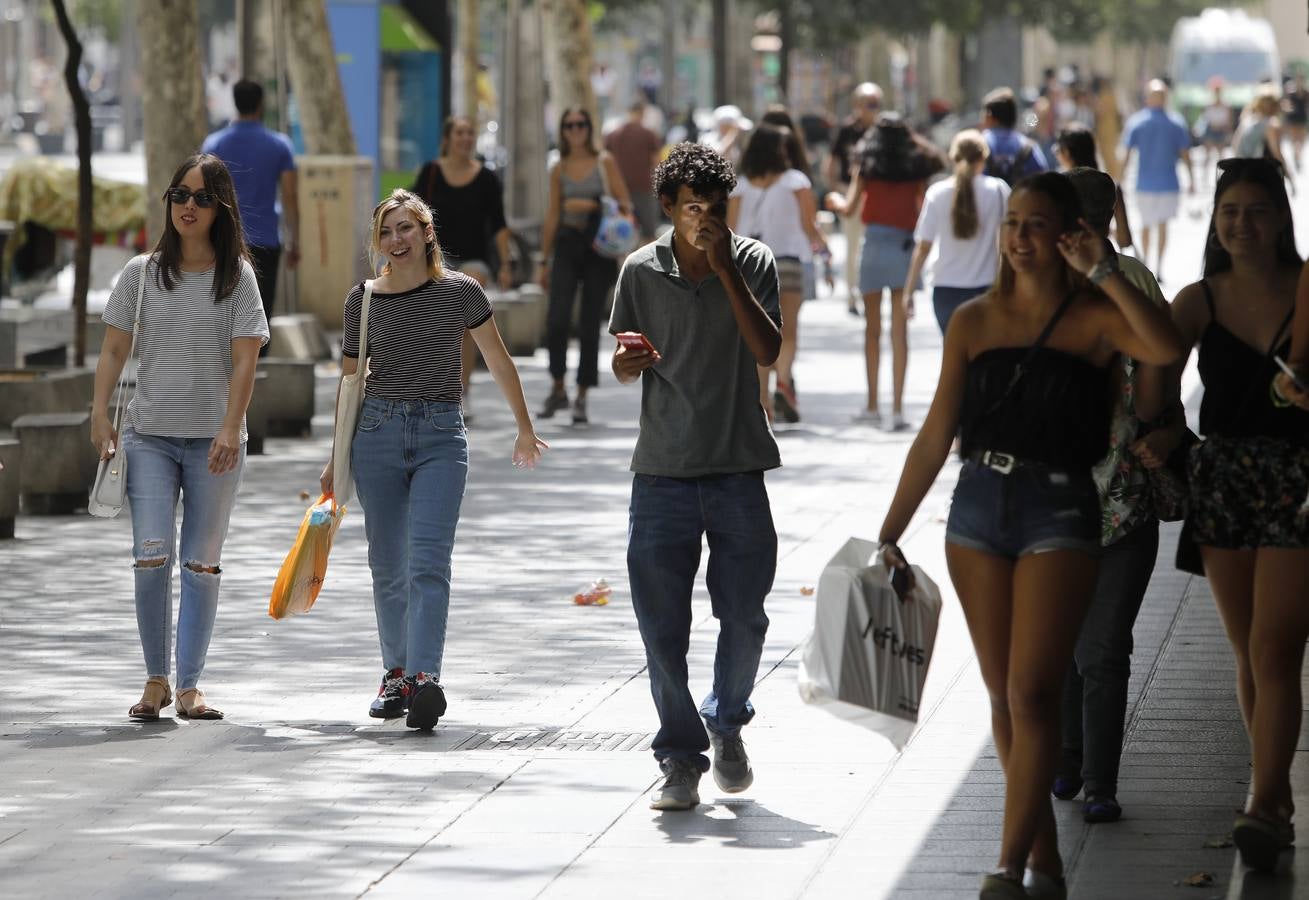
(884, 258)
(1029, 510)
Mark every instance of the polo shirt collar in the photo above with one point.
(664, 258)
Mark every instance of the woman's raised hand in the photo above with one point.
(1082, 248)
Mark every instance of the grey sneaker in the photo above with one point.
(681, 787)
(732, 772)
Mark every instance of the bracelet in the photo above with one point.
(1102, 270)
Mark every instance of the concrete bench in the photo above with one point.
(298, 336)
(288, 395)
(37, 337)
(61, 460)
(256, 417)
(11, 474)
(520, 319)
(24, 391)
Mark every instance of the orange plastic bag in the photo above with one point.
(301, 576)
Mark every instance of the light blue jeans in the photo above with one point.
(410, 465)
(159, 468)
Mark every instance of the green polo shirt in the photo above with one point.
(700, 411)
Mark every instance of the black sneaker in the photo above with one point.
(554, 403)
(392, 698)
(426, 703)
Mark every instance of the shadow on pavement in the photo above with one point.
(747, 824)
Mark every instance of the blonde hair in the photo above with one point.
(966, 150)
(413, 204)
(1266, 101)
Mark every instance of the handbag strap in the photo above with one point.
(363, 322)
(136, 329)
(1021, 369)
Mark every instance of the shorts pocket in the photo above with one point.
(370, 421)
(446, 421)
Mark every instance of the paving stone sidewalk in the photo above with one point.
(533, 786)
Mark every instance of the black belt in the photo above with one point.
(1004, 463)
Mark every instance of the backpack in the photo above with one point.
(1009, 168)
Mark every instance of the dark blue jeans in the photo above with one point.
(669, 516)
(1095, 692)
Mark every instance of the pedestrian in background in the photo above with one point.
(1214, 126)
(1160, 139)
(636, 150)
(1249, 478)
(1295, 111)
(201, 327)
(960, 219)
(1031, 406)
(1260, 133)
(262, 163)
(581, 177)
(468, 212)
(777, 115)
(1095, 692)
(1075, 148)
(706, 299)
(1108, 126)
(839, 171)
(773, 202)
(887, 193)
(1013, 156)
(409, 456)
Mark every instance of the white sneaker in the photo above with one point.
(868, 417)
(895, 422)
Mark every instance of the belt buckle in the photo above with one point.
(1000, 462)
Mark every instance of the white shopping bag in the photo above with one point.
(867, 658)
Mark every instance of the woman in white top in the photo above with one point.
(961, 217)
(775, 204)
(200, 328)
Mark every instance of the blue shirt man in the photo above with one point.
(1012, 156)
(262, 163)
(1160, 139)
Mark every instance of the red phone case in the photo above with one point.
(633, 340)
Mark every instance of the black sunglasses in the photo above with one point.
(1236, 163)
(181, 195)
(575, 124)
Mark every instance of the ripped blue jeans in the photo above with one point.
(159, 469)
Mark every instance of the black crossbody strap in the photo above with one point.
(1021, 369)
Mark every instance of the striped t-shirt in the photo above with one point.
(184, 373)
(415, 337)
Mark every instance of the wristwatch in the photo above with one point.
(1102, 270)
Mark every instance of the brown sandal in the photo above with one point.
(155, 697)
(191, 705)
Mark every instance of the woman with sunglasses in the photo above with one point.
(1250, 476)
(583, 174)
(1025, 382)
(200, 330)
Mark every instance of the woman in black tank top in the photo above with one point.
(1250, 476)
(1023, 537)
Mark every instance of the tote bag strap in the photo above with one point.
(136, 329)
(363, 322)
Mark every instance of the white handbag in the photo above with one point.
(349, 400)
(110, 489)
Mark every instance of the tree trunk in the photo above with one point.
(719, 58)
(469, 33)
(255, 31)
(786, 28)
(315, 79)
(82, 122)
(570, 31)
(172, 95)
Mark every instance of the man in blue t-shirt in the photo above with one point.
(1160, 138)
(262, 163)
(1013, 156)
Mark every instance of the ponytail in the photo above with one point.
(966, 150)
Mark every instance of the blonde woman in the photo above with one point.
(960, 219)
(410, 453)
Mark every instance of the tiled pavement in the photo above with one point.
(533, 786)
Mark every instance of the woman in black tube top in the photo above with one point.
(1023, 534)
(1250, 476)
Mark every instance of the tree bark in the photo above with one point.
(254, 19)
(572, 49)
(173, 96)
(82, 123)
(469, 31)
(315, 79)
(720, 51)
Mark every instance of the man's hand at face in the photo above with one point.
(715, 239)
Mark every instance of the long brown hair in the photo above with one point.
(422, 213)
(224, 234)
(590, 130)
(795, 149)
(966, 150)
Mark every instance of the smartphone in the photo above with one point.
(634, 340)
(1291, 373)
